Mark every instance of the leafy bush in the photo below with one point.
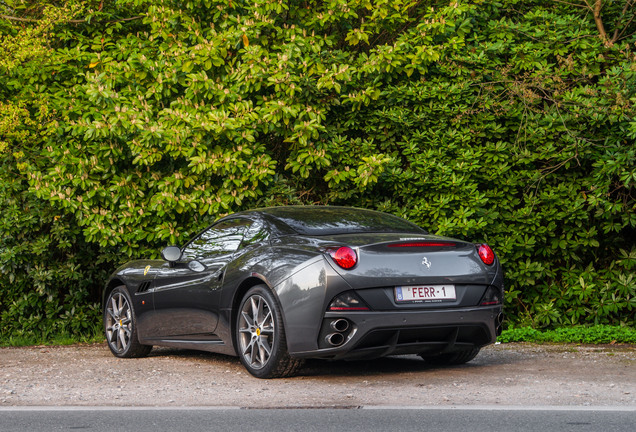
(130, 124)
(50, 277)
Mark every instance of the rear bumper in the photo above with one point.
(378, 334)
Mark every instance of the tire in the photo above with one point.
(120, 325)
(260, 336)
(453, 358)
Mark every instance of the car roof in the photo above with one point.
(332, 220)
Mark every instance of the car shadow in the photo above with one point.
(193, 354)
(381, 366)
(338, 368)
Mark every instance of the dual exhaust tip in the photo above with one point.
(340, 326)
(499, 323)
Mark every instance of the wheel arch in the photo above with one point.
(241, 290)
(111, 285)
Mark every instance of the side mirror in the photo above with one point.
(171, 254)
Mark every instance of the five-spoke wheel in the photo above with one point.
(119, 325)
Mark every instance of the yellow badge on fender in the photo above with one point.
(146, 270)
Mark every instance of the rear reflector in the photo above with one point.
(424, 244)
(491, 297)
(347, 301)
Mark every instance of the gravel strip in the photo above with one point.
(506, 374)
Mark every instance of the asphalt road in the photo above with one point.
(457, 419)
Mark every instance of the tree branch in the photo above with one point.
(618, 34)
(11, 18)
(599, 21)
(578, 5)
(17, 19)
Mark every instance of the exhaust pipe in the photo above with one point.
(498, 323)
(340, 325)
(335, 339)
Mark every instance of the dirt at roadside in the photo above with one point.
(506, 374)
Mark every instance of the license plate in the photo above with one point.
(424, 293)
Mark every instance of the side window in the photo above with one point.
(220, 239)
(255, 233)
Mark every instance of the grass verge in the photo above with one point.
(600, 334)
(62, 339)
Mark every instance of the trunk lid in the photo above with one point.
(386, 259)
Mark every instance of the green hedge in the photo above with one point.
(601, 334)
(130, 125)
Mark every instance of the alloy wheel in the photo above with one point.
(118, 322)
(256, 331)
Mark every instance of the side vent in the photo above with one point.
(143, 287)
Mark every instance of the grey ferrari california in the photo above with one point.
(279, 285)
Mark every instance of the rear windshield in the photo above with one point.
(314, 220)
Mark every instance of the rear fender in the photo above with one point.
(304, 297)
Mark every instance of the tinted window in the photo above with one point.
(314, 220)
(255, 233)
(221, 238)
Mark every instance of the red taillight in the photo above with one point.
(344, 256)
(424, 244)
(485, 253)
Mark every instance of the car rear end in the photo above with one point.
(409, 295)
(380, 285)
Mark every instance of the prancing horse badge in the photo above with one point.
(426, 262)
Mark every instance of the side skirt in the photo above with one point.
(209, 345)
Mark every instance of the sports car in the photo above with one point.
(277, 285)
